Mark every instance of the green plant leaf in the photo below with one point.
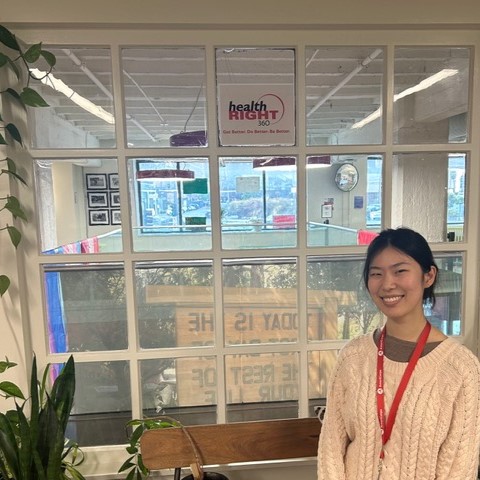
(13, 174)
(32, 98)
(126, 465)
(13, 93)
(11, 390)
(14, 132)
(4, 366)
(2, 140)
(49, 57)
(4, 284)
(8, 39)
(15, 235)
(3, 59)
(8, 446)
(33, 53)
(25, 444)
(13, 206)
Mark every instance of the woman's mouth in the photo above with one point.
(391, 300)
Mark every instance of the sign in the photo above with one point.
(256, 115)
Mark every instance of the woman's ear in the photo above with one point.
(430, 277)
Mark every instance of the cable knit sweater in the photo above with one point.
(436, 435)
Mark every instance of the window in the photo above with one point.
(200, 247)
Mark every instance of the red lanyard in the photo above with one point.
(387, 425)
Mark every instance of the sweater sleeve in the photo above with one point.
(333, 436)
(459, 454)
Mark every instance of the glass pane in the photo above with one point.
(344, 200)
(164, 94)
(261, 386)
(78, 202)
(175, 304)
(338, 305)
(344, 95)
(80, 97)
(102, 404)
(170, 204)
(256, 96)
(434, 185)
(260, 301)
(258, 199)
(431, 94)
(447, 312)
(184, 388)
(85, 307)
(320, 367)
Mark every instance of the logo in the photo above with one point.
(268, 108)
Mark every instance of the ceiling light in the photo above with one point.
(319, 161)
(274, 163)
(166, 175)
(189, 139)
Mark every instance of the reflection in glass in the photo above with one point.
(175, 304)
(164, 92)
(261, 386)
(433, 182)
(102, 404)
(172, 386)
(320, 367)
(344, 201)
(344, 95)
(258, 202)
(80, 97)
(260, 301)
(79, 201)
(431, 94)
(170, 200)
(85, 306)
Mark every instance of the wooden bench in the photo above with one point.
(231, 443)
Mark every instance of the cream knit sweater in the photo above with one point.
(436, 435)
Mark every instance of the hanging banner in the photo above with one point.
(256, 115)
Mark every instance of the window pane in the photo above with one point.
(262, 386)
(164, 94)
(344, 200)
(344, 95)
(431, 95)
(429, 194)
(320, 367)
(79, 205)
(170, 204)
(80, 97)
(338, 305)
(260, 301)
(185, 388)
(175, 304)
(85, 307)
(258, 199)
(102, 404)
(256, 96)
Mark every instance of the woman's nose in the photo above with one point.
(388, 282)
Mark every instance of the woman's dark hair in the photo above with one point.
(408, 242)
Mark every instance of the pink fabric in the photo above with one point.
(364, 237)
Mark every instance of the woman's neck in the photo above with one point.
(409, 330)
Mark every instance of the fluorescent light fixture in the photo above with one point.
(274, 163)
(319, 161)
(59, 86)
(166, 175)
(423, 85)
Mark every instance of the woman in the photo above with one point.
(403, 402)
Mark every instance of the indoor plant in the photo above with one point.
(33, 445)
(16, 77)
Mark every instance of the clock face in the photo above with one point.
(346, 177)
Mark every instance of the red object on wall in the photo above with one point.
(284, 221)
(364, 237)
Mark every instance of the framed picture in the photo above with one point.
(96, 181)
(113, 181)
(114, 199)
(97, 199)
(327, 210)
(115, 217)
(98, 217)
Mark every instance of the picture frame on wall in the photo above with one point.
(113, 181)
(114, 199)
(115, 217)
(98, 217)
(96, 181)
(97, 199)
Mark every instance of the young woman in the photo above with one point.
(403, 402)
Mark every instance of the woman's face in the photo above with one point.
(396, 283)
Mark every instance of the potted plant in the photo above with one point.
(33, 445)
(15, 85)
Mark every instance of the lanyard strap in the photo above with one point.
(386, 426)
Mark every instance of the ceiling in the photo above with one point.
(165, 88)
